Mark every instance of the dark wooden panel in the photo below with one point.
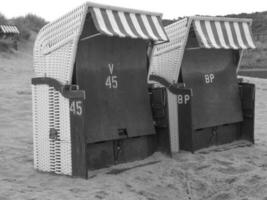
(136, 148)
(228, 133)
(203, 138)
(113, 73)
(247, 92)
(100, 155)
(163, 140)
(185, 119)
(223, 134)
(78, 140)
(159, 104)
(195, 139)
(89, 28)
(104, 154)
(211, 75)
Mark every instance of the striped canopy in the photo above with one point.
(132, 24)
(226, 34)
(9, 29)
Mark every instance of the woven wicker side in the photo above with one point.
(54, 56)
(65, 138)
(166, 58)
(51, 54)
(34, 127)
(51, 126)
(41, 127)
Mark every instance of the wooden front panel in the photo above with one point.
(212, 77)
(113, 73)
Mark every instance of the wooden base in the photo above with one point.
(195, 139)
(104, 154)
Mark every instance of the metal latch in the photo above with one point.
(122, 132)
(53, 134)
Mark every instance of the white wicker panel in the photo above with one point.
(64, 118)
(35, 127)
(41, 127)
(55, 58)
(176, 32)
(166, 65)
(52, 126)
(65, 136)
(58, 63)
(173, 122)
(55, 115)
(166, 58)
(59, 119)
(38, 59)
(57, 157)
(67, 27)
(66, 161)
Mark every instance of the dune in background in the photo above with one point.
(234, 171)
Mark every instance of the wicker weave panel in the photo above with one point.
(35, 126)
(166, 58)
(55, 124)
(59, 63)
(65, 154)
(65, 139)
(64, 118)
(51, 94)
(41, 127)
(59, 120)
(176, 32)
(54, 56)
(67, 27)
(166, 64)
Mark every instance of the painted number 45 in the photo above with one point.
(111, 80)
(76, 108)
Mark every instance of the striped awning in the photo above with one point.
(128, 24)
(9, 29)
(228, 34)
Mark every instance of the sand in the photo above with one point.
(234, 171)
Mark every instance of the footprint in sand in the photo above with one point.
(223, 196)
(199, 186)
(77, 190)
(242, 190)
(234, 170)
(227, 167)
(202, 167)
(222, 162)
(10, 180)
(101, 195)
(24, 92)
(254, 180)
(147, 195)
(231, 180)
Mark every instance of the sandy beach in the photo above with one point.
(235, 171)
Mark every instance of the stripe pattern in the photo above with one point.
(223, 34)
(9, 29)
(125, 24)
